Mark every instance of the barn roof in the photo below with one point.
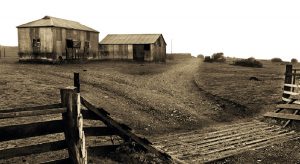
(49, 21)
(130, 38)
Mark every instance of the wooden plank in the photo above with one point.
(282, 115)
(32, 113)
(288, 106)
(288, 79)
(33, 108)
(73, 126)
(291, 100)
(288, 121)
(244, 145)
(30, 130)
(291, 93)
(125, 134)
(292, 85)
(254, 146)
(99, 131)
(197, 134)
(33, 149)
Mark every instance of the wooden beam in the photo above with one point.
(77, 82)
(288, 106)
(292, 85)
(282, 115)
(288, 79)
(32, 113)
(99, 131)
(33, 149)
(291, 93)
(73, 126)
(125, 134)
(30, 130)
(40, 107)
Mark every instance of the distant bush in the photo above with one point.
(275, 60)
(294, 61)
(250, 62)
(207, 59)
(200, 56)
(218, 57)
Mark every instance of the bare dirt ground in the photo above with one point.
(154, 99)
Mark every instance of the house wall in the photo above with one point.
(61, 34)
(158, 51)
(25, 39)
(53, 42)
(117, 52)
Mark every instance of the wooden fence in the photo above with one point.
(71, 125)
(290, 98)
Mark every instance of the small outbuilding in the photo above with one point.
(138, 47)
(54, 39)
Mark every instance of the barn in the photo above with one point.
(137, 47)
(54, 39)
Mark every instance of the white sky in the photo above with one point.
(240, 28)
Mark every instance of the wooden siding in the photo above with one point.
(53, 42)
(151, 52)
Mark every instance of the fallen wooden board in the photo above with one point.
(283, 116)
(288, 106)
(291, 93)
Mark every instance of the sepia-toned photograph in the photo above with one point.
(150, 82)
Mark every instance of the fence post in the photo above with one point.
(4, 53)
(0, 52)
(77, 82)
(288, 79)
(73, 125)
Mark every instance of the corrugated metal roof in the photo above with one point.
(48, 21)
(130, 38)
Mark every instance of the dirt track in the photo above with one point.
(151, 98)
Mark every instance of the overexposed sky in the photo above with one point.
(240, 28)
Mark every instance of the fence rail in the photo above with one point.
(71, 125)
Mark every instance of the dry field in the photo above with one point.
(156, 99)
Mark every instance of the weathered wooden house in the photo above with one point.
(138, 47)
(54, 39)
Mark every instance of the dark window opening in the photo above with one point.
(147, 47)
(86, 44)
(73, 43)
(36, 43)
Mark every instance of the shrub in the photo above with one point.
(207, 59)
(294, 61)
(218, 57)
(200, 56)
(275, 60)
(250, 62)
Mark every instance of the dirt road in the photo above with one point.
(151, 98)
